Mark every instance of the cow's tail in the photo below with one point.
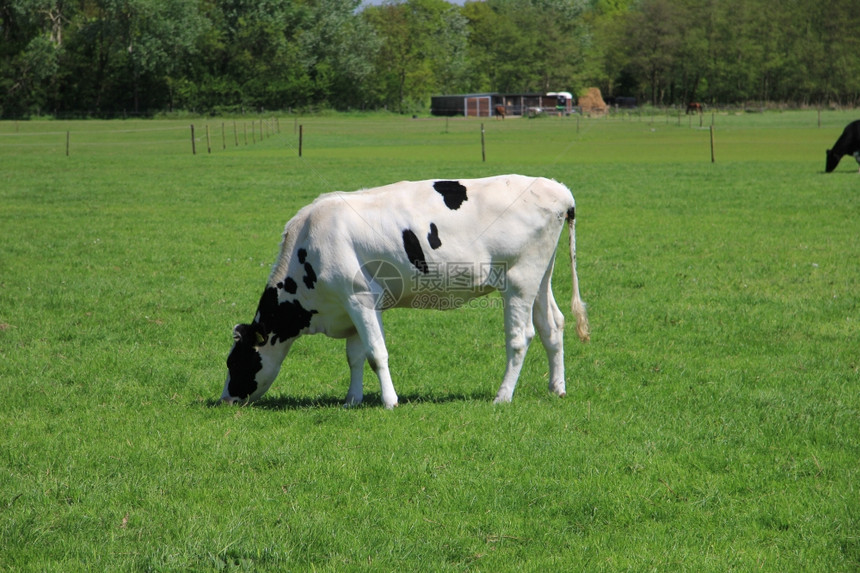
(577, 306)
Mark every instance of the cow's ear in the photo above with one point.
(260, 337)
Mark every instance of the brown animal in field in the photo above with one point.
(501, 112)
(694, 107)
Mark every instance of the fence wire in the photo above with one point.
(222, 135)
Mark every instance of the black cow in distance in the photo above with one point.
(847, 144)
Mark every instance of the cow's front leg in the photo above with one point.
(355, 356)
(368, 323)
(519, 331)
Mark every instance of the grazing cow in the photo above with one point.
(848, 143)
(501, 112)
(346, 257)
(694, 107)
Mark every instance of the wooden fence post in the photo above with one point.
(483, 149)
(208, 141)
(193, 141)
(712, 144)
(68, 140)
(301, 130)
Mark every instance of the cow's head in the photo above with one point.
(832, 160)
(252, 364)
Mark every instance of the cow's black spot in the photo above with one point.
(243, 363)
(268, 305)
(285, 320)
(414, 251)
(293, 318)
(303, 254)
(453, 192)
(571, 214)
(289, 285)
(310, 276)
(433, 237)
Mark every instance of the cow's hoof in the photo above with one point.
(558, 391)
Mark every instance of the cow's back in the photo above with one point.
(419, 228)
(450, 218)
(849, 141)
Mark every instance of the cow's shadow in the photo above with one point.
(371, 400)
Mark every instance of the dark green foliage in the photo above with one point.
(112, 58)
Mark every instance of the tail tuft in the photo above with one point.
(582, 328)
(577, 306)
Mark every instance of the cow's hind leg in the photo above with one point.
(356, 356)
(368, 323)
(519, 331)
(549, 321)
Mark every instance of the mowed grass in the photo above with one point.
(712, 423)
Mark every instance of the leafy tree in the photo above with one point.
(32, 36)
(337, 51)
(246, 59)
(119, 54)
(423, 49)
(608, 54)
(654, 45)
(534, 45)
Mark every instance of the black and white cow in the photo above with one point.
(847, 144)
(429, 244)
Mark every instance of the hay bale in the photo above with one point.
(592, 102)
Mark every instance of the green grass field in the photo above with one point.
(712, 423)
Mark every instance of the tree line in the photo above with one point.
(109, 57)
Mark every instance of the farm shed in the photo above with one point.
(467, 105)
(484, 104)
